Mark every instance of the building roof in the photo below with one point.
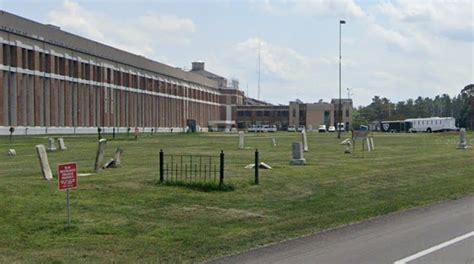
(54, 35)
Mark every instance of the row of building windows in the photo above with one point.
(428, 122)
(24, 58)
(242, 113)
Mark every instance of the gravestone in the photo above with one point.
(11, 152)
(347, 143)
(241, 140)
(274, 142)
(372, 143)
(462, 139)
(116, 161)
(62, 146)
(51, 145)
(297, 154)
(44, 163)
(305, 140)
(100, 154)
(369, 148)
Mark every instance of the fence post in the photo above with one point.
(257, 165)
(162, 176)
(221, 175)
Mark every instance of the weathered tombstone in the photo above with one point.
(11, 152)
(297, 154)
(274, 142)
(51, 144)
(367, 140)
(347, 143)
(305, 140)
(372, 143)
(115, 161)
(241, 140)
(62, 146)
(359, 135)
(462, 139)
(44, 163)
(100, 154)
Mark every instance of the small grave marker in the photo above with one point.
(297, 154)
(462, 139)
(136, 133)
(115, 161)
(274, 142)
(61, 144)
(11, 152)
(44, 163)
(241, 140)
(305, 140)
(100, 154)
(51, 145)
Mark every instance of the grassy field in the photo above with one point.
(123, 215)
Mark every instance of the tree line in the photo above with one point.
(382, 109)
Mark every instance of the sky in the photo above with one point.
(397, 49)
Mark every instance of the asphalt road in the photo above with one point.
(438, 233)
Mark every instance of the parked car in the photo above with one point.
(363, 128)
(322, 128)
(332, 129)
(291, 129)
(300, 128)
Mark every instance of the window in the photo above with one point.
(347, 112)
(47, 59)
(248, 113)
(13, 56)
(6, 55)
(266, 113)
(259, 113)
(294, 112)
(284, 113)
(24, 64)
(240, 113)
(31, 60)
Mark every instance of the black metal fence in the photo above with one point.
(191, 168)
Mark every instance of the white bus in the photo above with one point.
(432, 124)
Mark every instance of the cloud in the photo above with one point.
(277, 62)
(450, 19)
(319, 8)
(138, 35)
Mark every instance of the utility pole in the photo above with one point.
(258, 92)
(339, 112)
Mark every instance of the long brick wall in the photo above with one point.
(49, 85)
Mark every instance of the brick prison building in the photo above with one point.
(52, 78)
(52, 81)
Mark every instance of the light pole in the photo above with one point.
(339, 112)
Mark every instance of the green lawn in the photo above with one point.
(123, 215)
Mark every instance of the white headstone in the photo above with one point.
(367, 140)
(305, 140)
(372, 146)
(297, 154)
(51, 144)
(274, 142)
(44, 163)
(11, 152)
(100, 154)
(62, 146)
(241, 140)
(116, 161)
(462, 139)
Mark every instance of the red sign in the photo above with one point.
(67, 176)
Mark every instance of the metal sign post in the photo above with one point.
(67, 179)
